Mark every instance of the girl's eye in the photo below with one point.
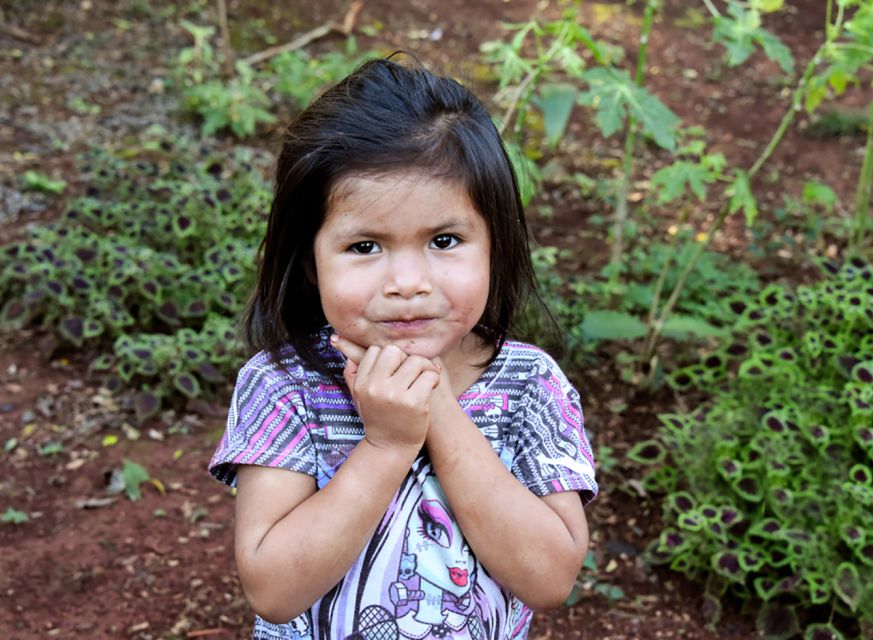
(445, 241)
(364, 248)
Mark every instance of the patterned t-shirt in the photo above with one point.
(416, 578)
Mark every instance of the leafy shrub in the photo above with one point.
(770, 483)
(242, 102)
(151, 266)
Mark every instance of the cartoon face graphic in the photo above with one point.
(442, 555)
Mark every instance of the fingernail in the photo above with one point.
(334, 337)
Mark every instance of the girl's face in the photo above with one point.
(404, 259)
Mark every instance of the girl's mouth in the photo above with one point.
(458, 576)
(411, 324)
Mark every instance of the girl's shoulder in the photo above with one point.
(286, 365)
(521, 355)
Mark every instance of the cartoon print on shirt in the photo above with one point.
(433, 595)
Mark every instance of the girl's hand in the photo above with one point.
(391, 391)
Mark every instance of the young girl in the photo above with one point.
(403, 469)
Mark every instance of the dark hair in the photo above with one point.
(384, 117)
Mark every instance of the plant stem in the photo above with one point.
(712, 9)
(227, 61)
(655, 328)
(862, 195)
(516, 98)
(627, 164)
(791, 114)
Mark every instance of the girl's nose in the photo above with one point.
(409, 276)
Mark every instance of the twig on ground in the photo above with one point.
(202, 633)
(19, 34)
(345, 28)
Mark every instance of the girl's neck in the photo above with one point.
(465, 367)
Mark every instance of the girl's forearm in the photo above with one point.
(521, 540)
(309, 550)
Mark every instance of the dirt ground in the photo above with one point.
(93, 564)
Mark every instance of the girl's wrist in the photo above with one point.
(391, 455)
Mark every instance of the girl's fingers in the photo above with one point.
(425, 383)
(349, 349)
(412, 368)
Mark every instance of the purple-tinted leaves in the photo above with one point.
(150, 289)
(863, 372)
(187, 384)
(749, 488)
(729, 469)
(710, 609)
(777, 622)
(767, 528)
(751, 560)
(852, 535)
(210, 373)
(690, 522)
(103, 362)
(765, 588)
(85, 254)
(847, 584)
(146, 404)
(861, 474)
(228, 301)
(168, 312)
(196, 309)
(647, 452)
(183, 225)
(15, 313)
(774, 422)
(864, 436)
(682, 379)
(681, 502)
(822, 632)
(819, 587)
(73, 329)
(682, 563)
(865, 554)
(727, 564)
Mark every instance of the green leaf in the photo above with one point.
(616, 97)
(13, 516)
(647, 452)
(740, 30)
(822, 632)
(35, 181)
(682, 327)
(134, 475)
(671, 182)
(818, 193)
(556, 102)
(847, 584)
(777, 622)
(741, 197)
(775, 50)
(612, 325)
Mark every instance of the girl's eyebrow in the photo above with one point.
(453, 224)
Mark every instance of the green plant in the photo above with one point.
(769, 479)
(588, 581)
(150, 267)
(537, 67)
(242, 101)
(13, 516)
(35, 181)
(134, 475)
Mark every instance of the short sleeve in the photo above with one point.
(553, 453)
(267, 423)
